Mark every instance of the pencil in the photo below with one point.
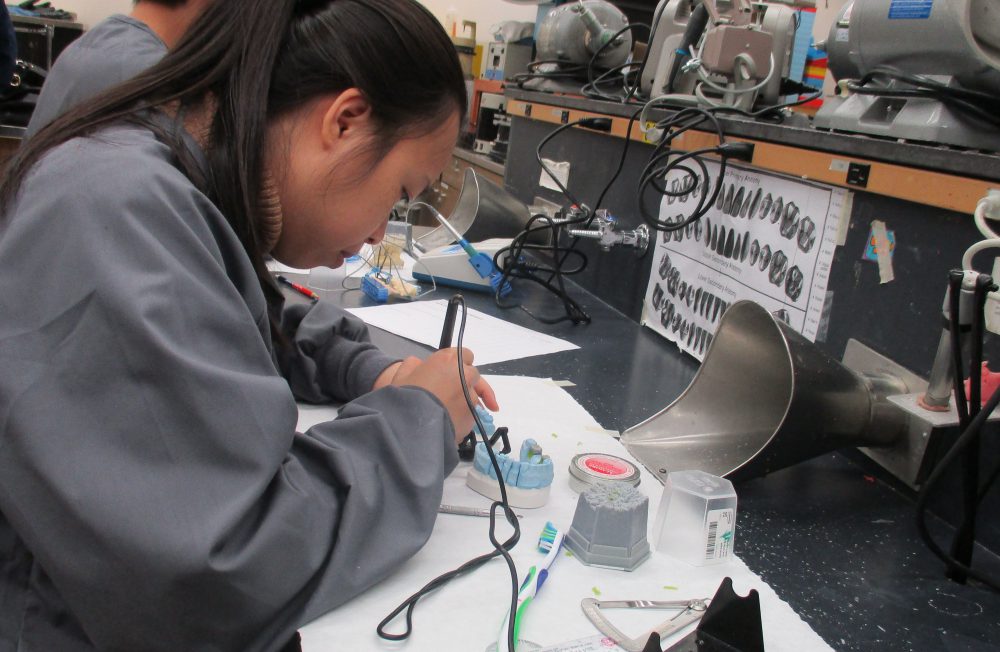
(301, 289)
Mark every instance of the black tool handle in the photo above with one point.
(448, 330)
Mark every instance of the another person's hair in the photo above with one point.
(260, 59)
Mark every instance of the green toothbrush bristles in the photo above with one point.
(548, 537)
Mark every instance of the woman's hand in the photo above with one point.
(385, 378)
(438, 374)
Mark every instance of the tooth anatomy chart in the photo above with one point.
(766, 238)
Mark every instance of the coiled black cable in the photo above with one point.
(514, 265)
(511, 261)
(665, 160)
(500, 549)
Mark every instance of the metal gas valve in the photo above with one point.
(608, 237)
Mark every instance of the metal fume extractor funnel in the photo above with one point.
(766, 398)
(484, 210)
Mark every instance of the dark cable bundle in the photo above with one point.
(983, 106)
(618, 75)
(558, 69)
(534, 72)
(511, 260)
(665, 160)
(515, 265)
(774, 113)
(500, 549)
(971, 420)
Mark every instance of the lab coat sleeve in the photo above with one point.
(327, 354)
(148, 452)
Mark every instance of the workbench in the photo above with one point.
(832, 536)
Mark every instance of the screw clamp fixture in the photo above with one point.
(608, 237)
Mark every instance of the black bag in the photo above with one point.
(17, 101)
(19, 81)
(8, 46)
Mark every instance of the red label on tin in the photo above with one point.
(605, 466)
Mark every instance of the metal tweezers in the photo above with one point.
(688, 611)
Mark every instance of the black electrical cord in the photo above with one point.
(600, 198)
(969, 435)
(615, 75)
(510, 260)
(665, 160)
(772, 113)
(697, 22)
(621, 164)
(955, 280)
(984, 106)
(500, 549)
(590, 89)
(958, 562)
(954, 307)
(965, 536)
(570, 72)
(544, 141)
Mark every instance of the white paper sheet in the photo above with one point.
(491, 339)
(466, 614)
(767, 238)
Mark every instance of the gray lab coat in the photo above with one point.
(154, 494)
(112, 51)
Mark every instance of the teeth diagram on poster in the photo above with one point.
(766, 238)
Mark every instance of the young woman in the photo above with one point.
(154, 494)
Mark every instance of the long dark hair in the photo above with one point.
(260, 58)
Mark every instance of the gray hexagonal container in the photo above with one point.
(609, 526)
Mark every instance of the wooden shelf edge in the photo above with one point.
(939, 189)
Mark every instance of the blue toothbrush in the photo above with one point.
(549, 542)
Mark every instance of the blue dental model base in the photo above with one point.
(467, 449)
(528, 479)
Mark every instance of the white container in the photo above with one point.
(696, 520)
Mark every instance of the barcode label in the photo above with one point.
(713, 531)
(719, 534)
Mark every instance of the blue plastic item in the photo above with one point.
(371, 286)
(531, 470)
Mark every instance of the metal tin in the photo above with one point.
(587, 469)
